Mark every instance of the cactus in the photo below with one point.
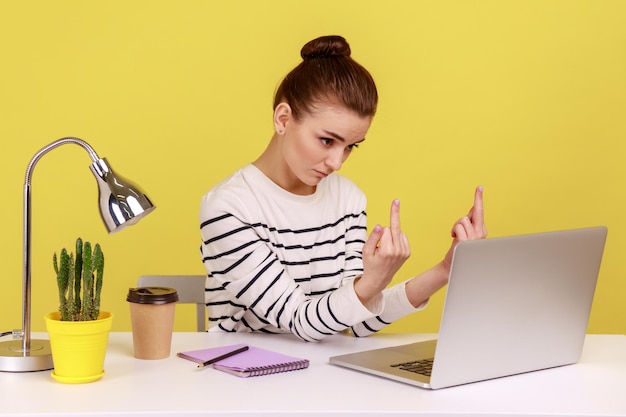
(98, 268)
(80, 281)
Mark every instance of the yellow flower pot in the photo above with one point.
(78, 347)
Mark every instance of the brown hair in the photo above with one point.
(328, 72)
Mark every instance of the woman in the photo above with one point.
(284, 239)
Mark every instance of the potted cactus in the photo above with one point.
(79, 278)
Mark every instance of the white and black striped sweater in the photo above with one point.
(280, 262)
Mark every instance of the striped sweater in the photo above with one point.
(279, 262)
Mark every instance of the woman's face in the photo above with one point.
(319, 142)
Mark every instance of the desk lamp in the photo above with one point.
(121, 204)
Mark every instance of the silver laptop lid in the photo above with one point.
(513, 304)
(517, 304)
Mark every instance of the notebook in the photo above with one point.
(254, 361)
(513, 305)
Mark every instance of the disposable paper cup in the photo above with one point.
(152, 320)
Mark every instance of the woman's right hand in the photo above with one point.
(384, 252)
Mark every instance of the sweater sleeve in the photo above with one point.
(395, 306)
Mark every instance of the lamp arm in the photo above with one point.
(55, 144)
(26, 294)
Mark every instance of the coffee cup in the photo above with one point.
(152, 320)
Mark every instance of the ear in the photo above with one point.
(282, 115)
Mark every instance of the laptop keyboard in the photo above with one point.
(422, 366)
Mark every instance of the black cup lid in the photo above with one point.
(152, 295)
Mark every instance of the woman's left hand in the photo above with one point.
(469, 227)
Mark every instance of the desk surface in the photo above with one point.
(173, 386)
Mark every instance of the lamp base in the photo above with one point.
(14, 359)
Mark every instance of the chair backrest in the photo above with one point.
(190, 289)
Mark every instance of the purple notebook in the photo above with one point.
(252, 362)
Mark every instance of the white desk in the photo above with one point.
(175, 387)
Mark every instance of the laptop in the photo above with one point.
(514, 304)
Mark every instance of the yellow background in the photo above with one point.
(526, 98)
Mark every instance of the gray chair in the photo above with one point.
(190, 289)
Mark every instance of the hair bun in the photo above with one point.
(325, 46)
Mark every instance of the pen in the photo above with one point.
(224, 356)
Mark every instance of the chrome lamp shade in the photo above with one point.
(121, 202)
